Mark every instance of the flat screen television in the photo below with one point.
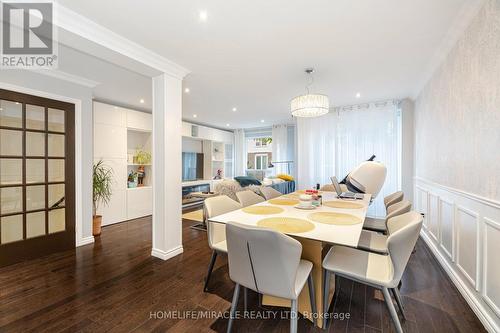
(192, 166)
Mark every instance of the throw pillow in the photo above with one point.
(245, 181)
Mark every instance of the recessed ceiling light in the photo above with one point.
(17, 103)
(203, 15)
(141, 101)
(358, 95)
(186, 90)
(227, 125)
(262, 120)
(235, 109)
(195, 115)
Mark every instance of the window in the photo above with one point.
(262, 142)
(261, 161)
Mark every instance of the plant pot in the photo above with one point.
(96, 225)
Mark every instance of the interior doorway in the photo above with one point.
(37, 190)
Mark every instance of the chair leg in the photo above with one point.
(399, 301)
(210, 268)
(312, 298)
(236, 294)
(326, 292)
(245, 298)
(293, 317)
(392, 310)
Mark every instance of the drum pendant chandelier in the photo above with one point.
(309, 105)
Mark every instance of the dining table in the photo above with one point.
(334, 222)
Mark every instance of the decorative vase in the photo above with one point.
(96, 225)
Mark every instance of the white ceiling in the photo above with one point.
(251, 54)
(114, 84)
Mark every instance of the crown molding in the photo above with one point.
(58, 74)
(461, 22)
(88, 29)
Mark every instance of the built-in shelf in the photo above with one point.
(135, 164)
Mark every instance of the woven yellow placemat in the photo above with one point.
(334, 218)
(286, 224)
(343, 204)
(263, 210)
(291, 196)
(284, 202)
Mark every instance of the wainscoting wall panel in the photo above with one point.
(463, 231)
(491, 268)
(422, 196)
(433, 216)
(467, 233)
(447, 218)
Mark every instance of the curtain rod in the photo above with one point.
(377, 104)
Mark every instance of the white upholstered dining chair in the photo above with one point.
(215, 206)
(248, 198)
(393, 198)
(380, 225)
(379, 271)
(270, 193)
(267, 262)
(376, 242)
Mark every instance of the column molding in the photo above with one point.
(167, 165)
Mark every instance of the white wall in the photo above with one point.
(407, 147)
(457, 113)
(47, 85)
(457, 127)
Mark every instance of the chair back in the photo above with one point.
(248, 198)
(393, 198)
(327, 188)
(270, 193)
(402, 240)
(215, 206)
(263, 260)
(398, 209)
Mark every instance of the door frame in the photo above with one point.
(78, 158)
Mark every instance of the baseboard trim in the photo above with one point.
(167, 255)
(85, 241)
(478, 308)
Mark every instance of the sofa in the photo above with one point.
(229, 187)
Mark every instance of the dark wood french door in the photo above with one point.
(37, 168)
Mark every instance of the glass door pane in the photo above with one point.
(11, 114)
(35, 117)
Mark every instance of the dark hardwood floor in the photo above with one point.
(116, 286)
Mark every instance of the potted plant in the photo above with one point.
(101, 194)
(142, 157)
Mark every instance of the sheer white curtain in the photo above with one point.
(336, 143)
(280, 148)
(315, 150)
(240, 152)
(365, 131)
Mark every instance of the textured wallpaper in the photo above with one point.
(457, 115)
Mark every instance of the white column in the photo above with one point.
(167, 165)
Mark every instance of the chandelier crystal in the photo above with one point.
(310, 105)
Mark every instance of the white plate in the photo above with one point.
(305, 208)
